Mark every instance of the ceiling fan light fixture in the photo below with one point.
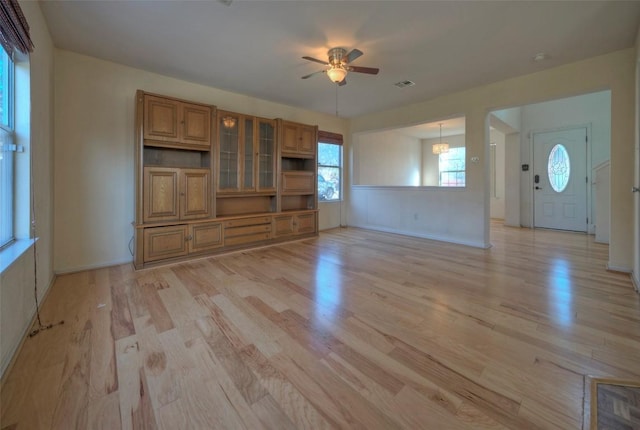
(442, 147)
(337, 74)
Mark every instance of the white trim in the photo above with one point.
(619, 268)
(424, 236)
(13, 252)
(635, 281)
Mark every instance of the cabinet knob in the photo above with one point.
(188, 238)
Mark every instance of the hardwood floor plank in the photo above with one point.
(136, 410)
(271, 415)
(287, 397)
(155, 307)
(121, 320)
(212, 370)
(104, 413)
(72, 405)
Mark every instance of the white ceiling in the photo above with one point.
(255, 47)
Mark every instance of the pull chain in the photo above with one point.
(336, 99)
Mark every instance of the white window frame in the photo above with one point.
(8, 151)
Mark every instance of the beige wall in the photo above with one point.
(94, 157)
(464, 214)
(17, 305)
(400, 155)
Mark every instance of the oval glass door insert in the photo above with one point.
(559, 168)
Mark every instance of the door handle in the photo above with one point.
(635, 189)
(538, 188)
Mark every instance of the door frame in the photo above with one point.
(589, 168)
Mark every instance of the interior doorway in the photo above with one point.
(560, 179)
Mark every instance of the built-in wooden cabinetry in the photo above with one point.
(174, 123)
(298, 140)
(209, 180)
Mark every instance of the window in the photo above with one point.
(451, 168)
(559, 168)
(7, 149)
(329, 171)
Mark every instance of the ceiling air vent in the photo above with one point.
(403, 84)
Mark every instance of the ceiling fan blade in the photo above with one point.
(355, 53)
(315, 60)
(314, 73)
(342, 82)
(367, 70)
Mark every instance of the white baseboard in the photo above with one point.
(91, 267)
(635, 281)
(618, 268)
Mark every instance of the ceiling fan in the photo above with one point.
(340, 64)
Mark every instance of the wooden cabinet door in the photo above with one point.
(289, 137)
(307, 140)
(266, 153)
(161, 118)
(194, 193)
(165, 242)
(305, 223)
(176, 124)
(160, 202)
(228, 148)
(196, 125)
(204, 237)
(298, 183)
(283, 225)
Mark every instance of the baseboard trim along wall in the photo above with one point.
(92, 267)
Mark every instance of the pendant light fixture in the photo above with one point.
(229, 122)
(442, 147)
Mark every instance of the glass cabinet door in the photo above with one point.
(266, 154)
(229, 151)
(247, 175)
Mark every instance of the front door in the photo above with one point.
(560, 179)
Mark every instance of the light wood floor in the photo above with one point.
(355, 329)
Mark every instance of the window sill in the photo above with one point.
(12, 253)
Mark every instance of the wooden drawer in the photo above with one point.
(165, 242)
(298, 182)
(247, 238)
(247, 221)
(203, 237)
(248, 229)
